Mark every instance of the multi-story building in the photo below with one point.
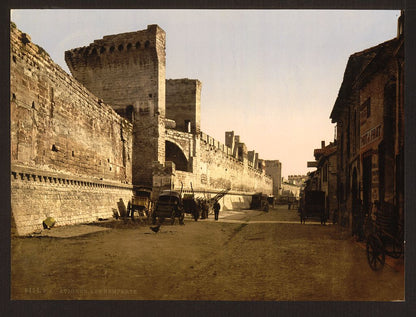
(325, 177)
(370, 135)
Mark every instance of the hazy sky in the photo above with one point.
(271, 76)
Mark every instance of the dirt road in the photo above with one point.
(247, 255)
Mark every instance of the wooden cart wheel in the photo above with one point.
(375, 253)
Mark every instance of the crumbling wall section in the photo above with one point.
(61, 135)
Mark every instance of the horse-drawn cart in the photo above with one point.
(312, 205)
(140, 202)
(384, 235)
(191, 205)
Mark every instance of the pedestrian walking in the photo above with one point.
(217, 208)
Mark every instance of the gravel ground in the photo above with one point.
(245, 256)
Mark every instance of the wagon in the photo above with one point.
(191, 205)
(259, 201)
(140, 202)
(168, 205)
(313, 205)
(384, 235)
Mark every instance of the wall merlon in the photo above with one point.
(142, 39)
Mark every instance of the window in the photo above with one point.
(188, 126)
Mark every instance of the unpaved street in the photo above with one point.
(246, 255)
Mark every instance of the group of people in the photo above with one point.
(204, 208)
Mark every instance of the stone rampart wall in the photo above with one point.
(216, 169)
(70, 200)
(219, 170)
(59, 127)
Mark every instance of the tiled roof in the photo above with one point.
(326, 151)
(358, 65)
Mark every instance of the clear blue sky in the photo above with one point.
(271, 76)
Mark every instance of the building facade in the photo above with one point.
(370, 133)
(324, 178)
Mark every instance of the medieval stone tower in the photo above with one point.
(128, 72)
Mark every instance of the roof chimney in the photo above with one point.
(322, 144)
(400, 24)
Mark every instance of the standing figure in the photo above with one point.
(217, 208)
(205, 208)
(323, 217)
(201, 204)
(302, 214)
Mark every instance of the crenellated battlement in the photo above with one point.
(124, 69)
(117, 46)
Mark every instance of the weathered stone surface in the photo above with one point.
(183, 103)
(68, 201)
(274, 170)
(128, 70)
(214, 167)
(64, 144)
